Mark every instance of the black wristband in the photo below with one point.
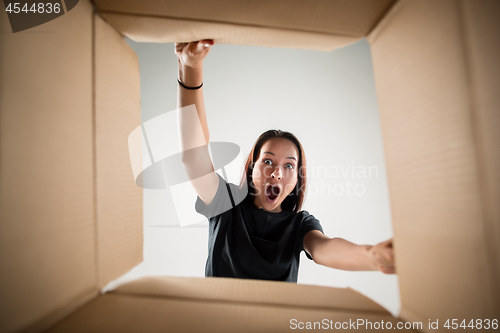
(190, 88)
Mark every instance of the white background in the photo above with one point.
(328, 100)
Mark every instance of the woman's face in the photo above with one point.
(275, 173)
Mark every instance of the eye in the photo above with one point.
(267, 161)
(289, 166)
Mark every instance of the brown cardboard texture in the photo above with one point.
(71, 213)
(317, 25)
(445, 250)
(117, 113)
(219, 305)
(47, 199)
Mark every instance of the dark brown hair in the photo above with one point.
(295, 199)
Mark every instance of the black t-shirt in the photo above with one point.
(250, 243)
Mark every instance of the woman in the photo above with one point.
(258, 235)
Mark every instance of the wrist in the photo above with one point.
(191, 76)
(372, 262)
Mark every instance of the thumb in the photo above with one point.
(198, 48)
(204, 45)
(383, 253)
(207, 42)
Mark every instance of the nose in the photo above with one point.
(277, 173)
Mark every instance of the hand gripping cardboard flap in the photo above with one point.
(437, 75)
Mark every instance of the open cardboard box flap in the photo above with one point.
(317, 25)
(181, 304)
(63, 237)
(251, 291)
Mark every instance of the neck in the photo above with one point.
(258, 204)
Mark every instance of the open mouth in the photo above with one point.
(272, 192)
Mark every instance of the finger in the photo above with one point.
(387, 269)
(199, 47)
(207, 42)
(179, 47)
(203, 46)
(192, 49)
(383, 255)
(387, 243)
(384, 251)
(386, 255)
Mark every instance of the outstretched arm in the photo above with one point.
(190, 57)
(193, 128)
(342, 254)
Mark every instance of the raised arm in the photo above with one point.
(193, 128)
(342, 254)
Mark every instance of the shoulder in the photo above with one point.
(225, 189)
(238, 193)
(304, 215)
(227, 196)
(308, 222)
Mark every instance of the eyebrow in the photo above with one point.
(289, 157)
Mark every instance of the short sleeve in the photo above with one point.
(308, 223)
(227, 196)
(221, 202)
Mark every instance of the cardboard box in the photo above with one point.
(71, 215)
